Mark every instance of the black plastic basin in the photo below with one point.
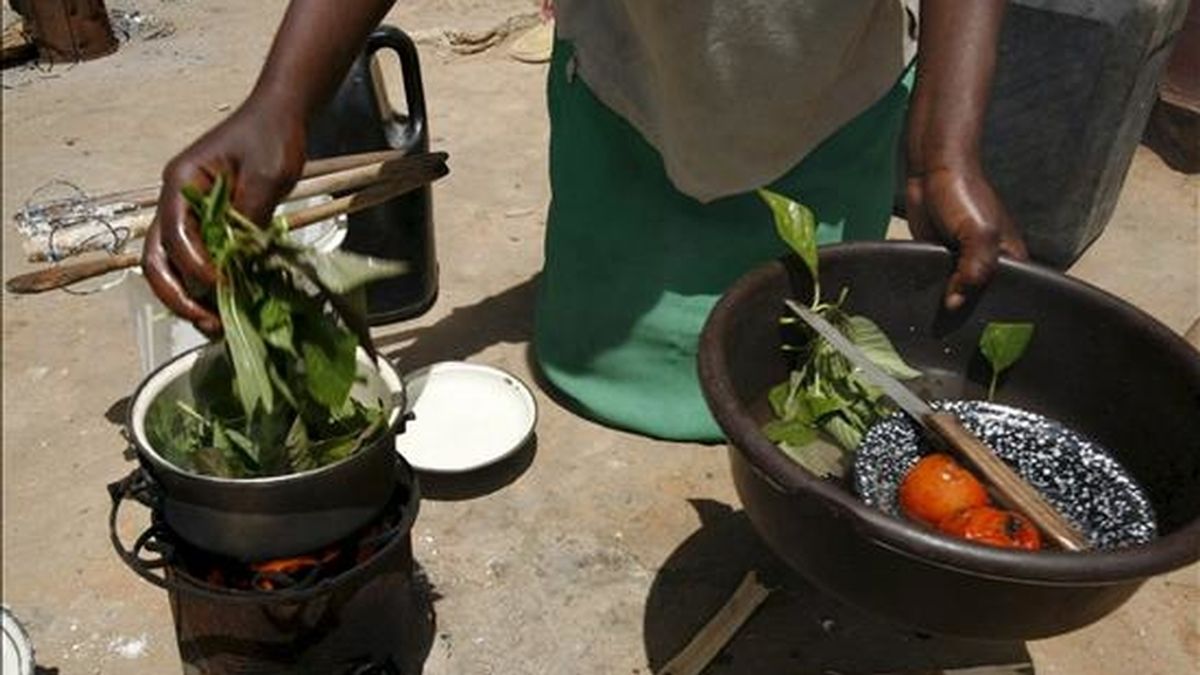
(1096, 364)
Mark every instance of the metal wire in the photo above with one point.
(50, 216)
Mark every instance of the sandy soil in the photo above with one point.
(602, 551)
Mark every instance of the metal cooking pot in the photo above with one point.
(263, 518)
(1096, 364)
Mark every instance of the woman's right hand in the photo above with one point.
(261, 149)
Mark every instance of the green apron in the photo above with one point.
(633, 266)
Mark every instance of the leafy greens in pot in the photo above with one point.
(273, 397)
(823, 394)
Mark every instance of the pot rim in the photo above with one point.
(168, 372)
(1166, 553)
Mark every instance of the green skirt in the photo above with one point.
(633, 266)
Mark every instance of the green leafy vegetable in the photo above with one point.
(1003, 343)
(342, 272)
(873, 342)
(246, 347)
(823, 394)
(797, 226)
(329, 365)
(274, 396)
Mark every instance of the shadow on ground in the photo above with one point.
(798, 629)
(504, 317)
(457, 487)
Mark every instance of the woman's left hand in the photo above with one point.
(960, 207)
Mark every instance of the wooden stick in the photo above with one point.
(720, 629)
(147, 196)
(372, 196)
(97, 236)
(320, 167)
(360, 176)
(394, 186)
(65, 275)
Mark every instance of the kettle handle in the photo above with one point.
(390, 37)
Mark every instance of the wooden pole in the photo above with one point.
(69, 30)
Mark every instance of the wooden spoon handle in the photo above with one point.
(1011, 489)
(65, 275)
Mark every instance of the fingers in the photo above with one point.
(978, 256)
(168, 287)
(1012, 244)
(180, 234)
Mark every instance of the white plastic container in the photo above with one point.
(162, 336)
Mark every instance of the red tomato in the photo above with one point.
(937, 488)
(994, 527)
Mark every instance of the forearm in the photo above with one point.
(955, 62)
(313, 48)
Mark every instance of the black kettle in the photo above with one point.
(355, 121)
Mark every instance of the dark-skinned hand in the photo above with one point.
(960, 208)
(261, 149)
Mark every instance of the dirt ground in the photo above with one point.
(595, 552)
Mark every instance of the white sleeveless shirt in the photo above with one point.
(734, 93)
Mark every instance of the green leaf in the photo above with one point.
(281, 386)
(351, 308)
(216, 203)
(818, 406)
(797, 226)
(275, 323)
(210, 212)
(243, 443)
(329, 364)
(795, 432)
(173, 433)
(342, 272)
(297, 445)
(220, 440)
(211, 381)
(873, 342)
(333, 449)
(269, 433)
(1003, 343)
(820, 459)
(212, 462)
(783, 397)
(246, 350)
(847, 435)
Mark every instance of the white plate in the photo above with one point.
(466, 416)
(18, 654)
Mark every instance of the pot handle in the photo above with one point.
(139, 486)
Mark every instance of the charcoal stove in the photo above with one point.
(355, 607)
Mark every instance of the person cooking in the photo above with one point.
(665, 116)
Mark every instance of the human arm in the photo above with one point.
(260, 145)
(948, 195)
